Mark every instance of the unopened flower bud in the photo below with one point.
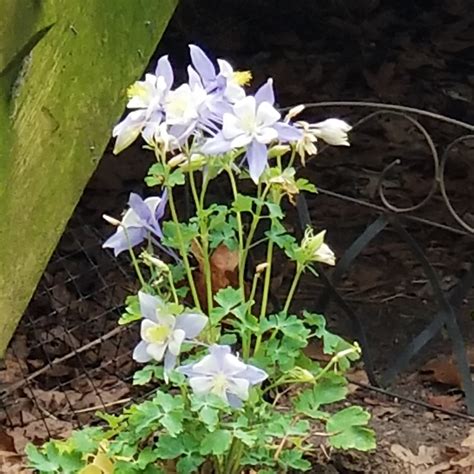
(332, 131)
(261, 267)
(155, 261)
(176, 160)
(294, 111)
(111, 220)
(315, 249)
(301, 375)
(195, 162)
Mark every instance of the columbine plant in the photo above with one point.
(237, 394)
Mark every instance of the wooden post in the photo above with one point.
(64, 70)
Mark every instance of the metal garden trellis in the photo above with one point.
(393, 216)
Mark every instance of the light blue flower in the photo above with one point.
(253, 124)
(224, 82)
(223, 374)
(146, 98)
(163, 333)
(139, 221)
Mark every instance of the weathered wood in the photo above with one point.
(64, 69)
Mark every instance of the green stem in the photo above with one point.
(232, 466)
(134, 259)
(173, 288)
(182, 248)
(204, 240)
(268, 277)
(240, 232)
(294, 285)
(253, 226)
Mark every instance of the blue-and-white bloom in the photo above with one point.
(223, 374)
(140, 220)
(147, 99)
(226, 82)
(253, 124)
(163, 333)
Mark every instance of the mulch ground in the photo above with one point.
(68, 359)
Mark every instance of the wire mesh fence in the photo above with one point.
(69, 358)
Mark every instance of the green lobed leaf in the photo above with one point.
(293, 458)
(243, 203)
(228, 298)
(147, 456)
(217, 442)
(39, 461)
(210, 417)
(189, 464)
(147, 373)
(176, 178)
(132, 311)
(350, 429)
(169, 447)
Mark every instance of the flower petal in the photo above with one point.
(201, 385)
(145, 326)
(253, 374)
(140, 353)
(231, 126)
(267, 114)
(139, 207)
(239, 387)
(231, 365)
(157, 351)
(216, 145)
(234, 400)
(148, 305)
(164, 69)
(287, 133)
(169, 362)
(191, 323)
(202, 63)
(257, 160)
(246, 109)
(120, 241)
(265, 93)
(127, 131)
(174, 344)
(193, 77)
(208, 365)
(265, 135)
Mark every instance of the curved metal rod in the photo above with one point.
(434, 155)
(439, 165)
(378, 105)
(442, 184)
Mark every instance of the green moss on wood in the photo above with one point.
(59, 99)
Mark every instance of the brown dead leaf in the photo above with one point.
(6, 442)
(443, 369)
(314, 350)
(447, 402)
(224, 268)
(425, 457)
(356, 376)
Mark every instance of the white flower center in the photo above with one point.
(219, 384)
(158, 334)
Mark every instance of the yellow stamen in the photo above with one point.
(242, 78)
(136, 90)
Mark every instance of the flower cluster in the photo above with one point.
(206, 324)
(213, 109)
(209, 115)
(219, 372)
